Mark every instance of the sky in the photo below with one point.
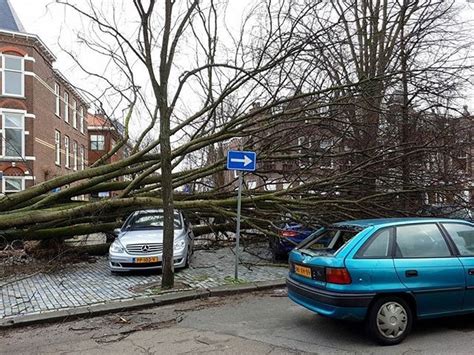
(52, 24)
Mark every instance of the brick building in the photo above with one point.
(316, 150)
(103, 134)
(42, 125)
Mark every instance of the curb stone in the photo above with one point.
(152, 301)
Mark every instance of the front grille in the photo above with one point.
(144, 249)
(135, 265)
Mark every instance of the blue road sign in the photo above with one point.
(241, 160)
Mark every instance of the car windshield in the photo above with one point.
(153, 220)
(326, 241)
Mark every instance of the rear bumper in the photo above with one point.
(328, 303)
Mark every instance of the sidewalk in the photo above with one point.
(85, 284)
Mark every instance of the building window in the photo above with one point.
(325, 146)
(270, 187)
(251, 185)
(13, 135)
(74, 114)
(67, 152)
(13, 77)
(82, 157)
(13, 184)
(57, 109)
(74, 152)
(97, 142)
(57, 147)
(66, 107)
(81, 119)
(300, 146)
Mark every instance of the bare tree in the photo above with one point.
(314, 87)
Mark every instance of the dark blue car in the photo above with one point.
(290, 235)
(386, 272)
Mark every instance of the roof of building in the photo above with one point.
(10, 25)
(8, 19)
(60, 76)
(100, 122)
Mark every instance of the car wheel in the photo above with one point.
(389, 320)
(277, 255)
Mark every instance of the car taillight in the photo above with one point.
(338, 276)
(286, 234)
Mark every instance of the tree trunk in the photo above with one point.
(167, 281)
(168, 208)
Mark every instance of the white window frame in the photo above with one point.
(67, 152)
(251, 184)
(300, 144)
(74, 152)
(103, 142)
(57, 107)
(13, 178)
(326, 145)
(74, 114)
(81, 119)
(22, 72)
(462, 154)
(66, 107)
(271, 186)
(57, 147)
(82, 157)
(4, 140)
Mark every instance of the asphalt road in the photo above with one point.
(264, 323)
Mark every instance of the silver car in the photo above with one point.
(139, 243)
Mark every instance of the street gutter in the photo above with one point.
(138, 303)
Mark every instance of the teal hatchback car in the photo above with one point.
(387, 272)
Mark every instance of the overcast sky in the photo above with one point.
(48, 21)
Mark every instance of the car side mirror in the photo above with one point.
(117, 231)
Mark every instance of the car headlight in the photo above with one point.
(179, 245)
(116, 247)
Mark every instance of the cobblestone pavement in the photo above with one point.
(86, 284)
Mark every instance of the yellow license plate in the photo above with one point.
(303, 271)
(150, 259)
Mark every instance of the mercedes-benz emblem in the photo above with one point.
(145, 248)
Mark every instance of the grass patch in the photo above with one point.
(229, 280)
(200, 278)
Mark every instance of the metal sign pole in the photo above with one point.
(237, 232)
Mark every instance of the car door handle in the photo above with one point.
(470, 272)
(411, 273)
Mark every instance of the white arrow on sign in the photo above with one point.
(246, 160)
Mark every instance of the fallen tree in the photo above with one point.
(329, 125)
